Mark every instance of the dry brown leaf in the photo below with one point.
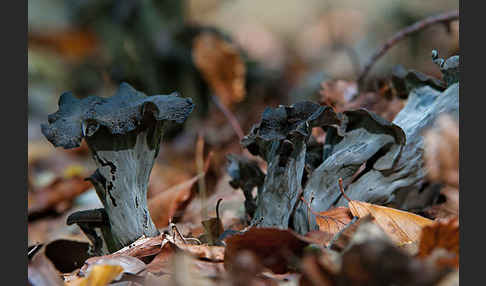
(318, 271)
(213, 253)
(338, 93)
(441, 153)
(59, 191)
(221, 65)
(275, 248)
(342, 240)
(334, 220)
(447, 209)
(164, 177)
(41, 271)
(161, 264)
(442, 234)
(164, 205)
(143, 247)
(403, 227)
(99, 275)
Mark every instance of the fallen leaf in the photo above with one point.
(441, 151)
(164, 205)
(442, 234)
(221, 65)
(130, 264)
(403, 227)
(213, 253)
(100, 275)
(164, 177)
(161, 264)
(141, 248)
(41, 272)
(59, 191)
(342, 239)
(447, 209)
(334, 220)
(315, 272)
(338, 93)
(275, 248)
(341, 95)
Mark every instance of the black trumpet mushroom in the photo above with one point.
(123, 133)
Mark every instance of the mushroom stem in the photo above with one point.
(121, 182)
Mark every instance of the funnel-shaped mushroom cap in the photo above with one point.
(120, 114)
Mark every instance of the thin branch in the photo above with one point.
(342, 189)
(230, 116)
(420, 25)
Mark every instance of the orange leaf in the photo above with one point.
(222, 67)
(164, 205)
(333, 220)
(100, 275)
(442, 234)
(403, 227)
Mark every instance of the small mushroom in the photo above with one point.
(123, 133)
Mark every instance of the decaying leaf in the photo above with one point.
(141, 248)
(442, 234)
(372, 259)
(164, 205)
(447, 209)
(130, 264)
(276, 249)
(99, 275)
(442, 151)
(41, 272)
(342, 239)
(61, 190)
(334, 220)
(403, 227)
(338, 93)
(221, 65)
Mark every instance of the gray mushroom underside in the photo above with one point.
(394, 174)
(119, 114)
(393, 152)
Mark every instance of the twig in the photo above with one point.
(420, 25)
(217, 207)
(230, 116)
(200, 169)
(342, 189)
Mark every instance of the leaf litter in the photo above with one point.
(316, 194)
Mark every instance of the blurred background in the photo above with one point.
(275, 52)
